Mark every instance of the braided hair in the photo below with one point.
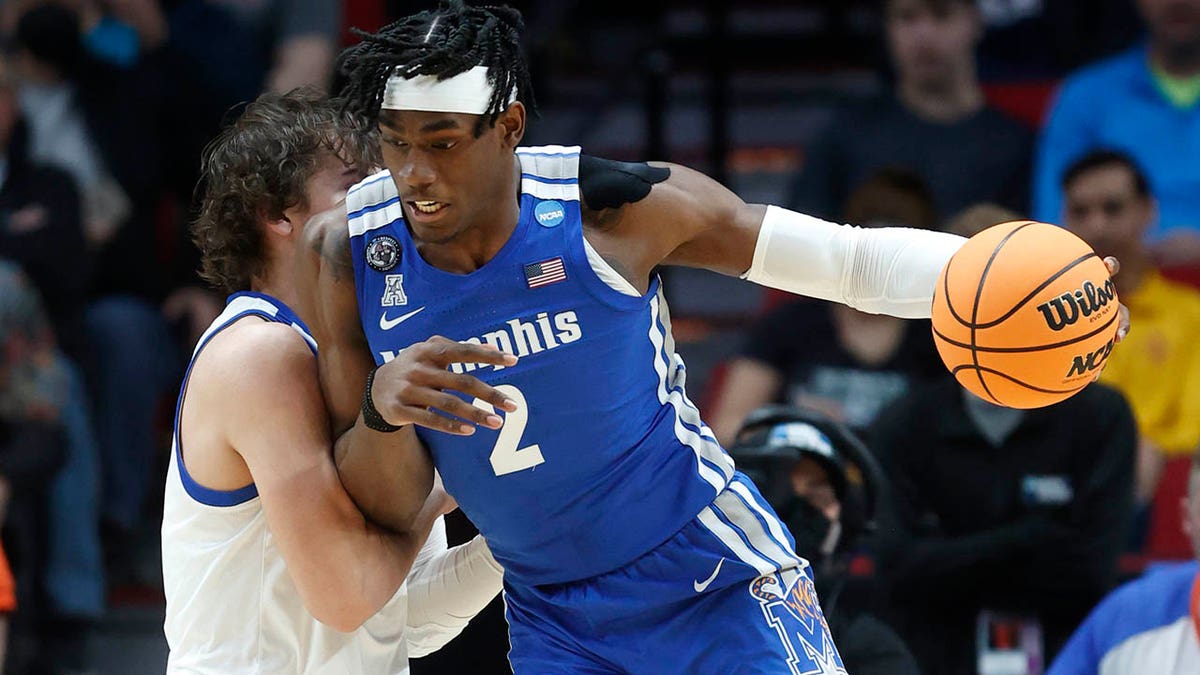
(443, 42)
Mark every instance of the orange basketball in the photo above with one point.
(1025, 314)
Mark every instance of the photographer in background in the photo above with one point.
(825, 485)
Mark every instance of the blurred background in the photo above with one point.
(940, 114)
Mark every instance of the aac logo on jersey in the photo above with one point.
(383, 253)
(393, 291)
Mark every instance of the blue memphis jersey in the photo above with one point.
(606, 458)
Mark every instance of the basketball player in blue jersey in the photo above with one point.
(629, 541)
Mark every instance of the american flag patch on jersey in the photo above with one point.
(545, 272)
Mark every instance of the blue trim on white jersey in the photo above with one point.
(282, 314)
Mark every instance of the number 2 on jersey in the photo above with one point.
(506, 457)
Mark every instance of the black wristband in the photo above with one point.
(371, 416)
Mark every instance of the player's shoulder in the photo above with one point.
(249, 370)
(253, 352)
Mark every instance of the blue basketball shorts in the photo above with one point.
(726, 594)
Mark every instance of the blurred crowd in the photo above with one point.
(950, 536)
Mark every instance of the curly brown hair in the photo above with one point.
(258, 167)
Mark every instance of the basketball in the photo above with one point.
(1025, 314)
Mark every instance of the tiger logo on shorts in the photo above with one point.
(796, 616)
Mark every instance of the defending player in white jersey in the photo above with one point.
(269, 566)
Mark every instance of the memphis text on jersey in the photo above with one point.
(522, 337)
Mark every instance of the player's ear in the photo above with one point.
(281, 225)
(511, 125)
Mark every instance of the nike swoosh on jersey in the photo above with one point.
(702, 586)
(388, 324)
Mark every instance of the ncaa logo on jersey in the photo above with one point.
(393, 291)
(383, 253)
(797, 619)
(549, 213)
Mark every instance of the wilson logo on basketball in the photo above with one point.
(1086, 363)
(1066, 309)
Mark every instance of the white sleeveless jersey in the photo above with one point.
(232, 608)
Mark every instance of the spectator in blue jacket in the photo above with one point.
(1145, 102)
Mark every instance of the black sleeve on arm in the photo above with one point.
(607, 184)
(32, 453)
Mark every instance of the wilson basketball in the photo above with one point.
(1025, 314)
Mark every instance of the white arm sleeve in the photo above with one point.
(446, 589)
(883, 270)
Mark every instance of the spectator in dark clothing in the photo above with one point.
(810, 470)
(935, 123)
(827, 356)
(1003, 512)
(40, 225)
(100, 123)
(94, 119)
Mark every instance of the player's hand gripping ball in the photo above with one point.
(1025, 314)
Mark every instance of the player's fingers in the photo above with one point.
(443, 379)
(447, 352)
(449, 403)
(473, 386)
(431, 420)
(1123, 324)
(1113, 265)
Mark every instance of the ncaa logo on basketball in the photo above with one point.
(383, 253)
(1086, 363)
(1066, 309)
(549, 213)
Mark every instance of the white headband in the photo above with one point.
(467, 93)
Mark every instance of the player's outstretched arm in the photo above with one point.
(259, 380)
(691, 220)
